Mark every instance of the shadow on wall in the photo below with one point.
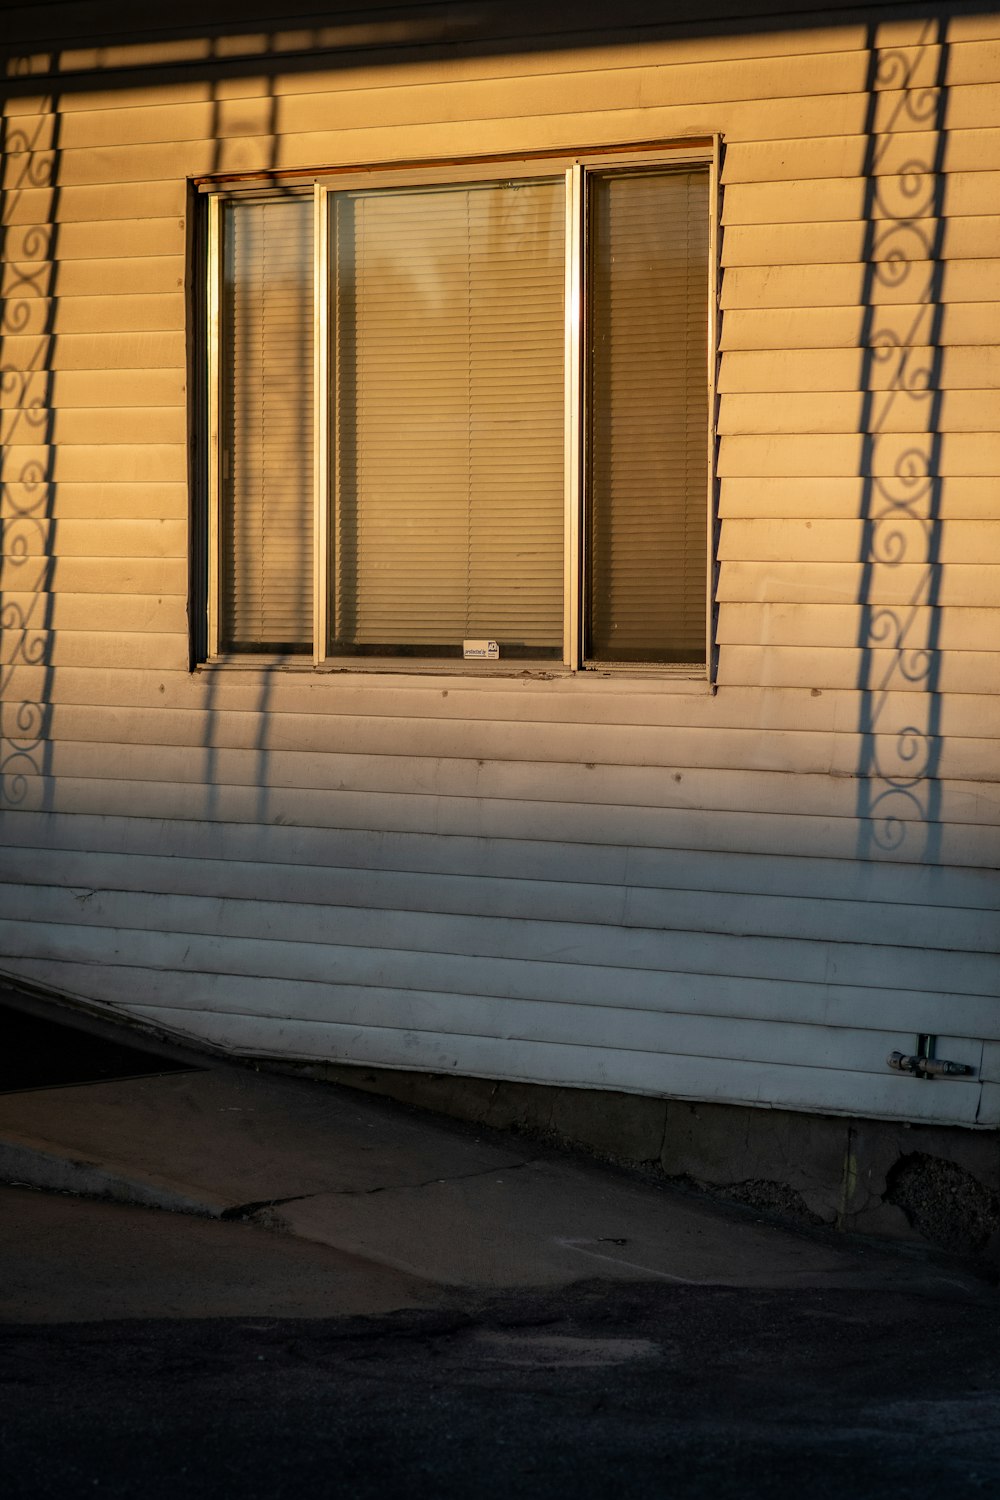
(899, 794)
(31, 373)
(29, 247)
(214, 776)
(901, 487)
(898, 798)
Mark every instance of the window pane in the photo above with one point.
(267, 426)
(448, 450)
(648, 312)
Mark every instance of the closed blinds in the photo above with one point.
(267, 425)
(648, 266)
(448, 429)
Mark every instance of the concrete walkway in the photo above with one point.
(442, 1205)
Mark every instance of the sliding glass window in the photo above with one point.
(447, 316)
(465, 419)
(266, 428)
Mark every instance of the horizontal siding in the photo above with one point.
(332, 895)
(664, 867)
(148, 275)
(93, 314)
(843, 243)
(850, 155)
(733, 1081)
(244, 140)
(796, 60)
(366, 1005)
(823, 285)
(699, 943)
(108, 649)
(966, 323)
(361, 712)
(464, 793)
(957, 629)
(440, 982)
(97, 575)
(960, 585)
(543, 114)
(973, 411)
(72, 205)
(97, 239)
(958, 542)
(90, 463)
(67, 391)
(19, 428)
(658, 1032)
(829, 199)
(972, 843)
(629, 884)
(127, 538)
(149, 172)
(580, 762)
(707, 71)
(127, 350)
(91, 611)
(976, 585)
(99, 133)
(958, 496)
(974, 674)
(166, 502)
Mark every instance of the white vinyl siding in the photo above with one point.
(615, 883)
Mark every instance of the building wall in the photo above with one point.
(747, 896)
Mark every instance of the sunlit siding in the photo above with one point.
(752, 895)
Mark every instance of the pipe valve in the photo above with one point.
(927, 1067)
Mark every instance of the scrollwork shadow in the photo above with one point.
(898, 803)
(28, 526)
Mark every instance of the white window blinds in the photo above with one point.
(267, 426)
(448, 427)
(648, 399)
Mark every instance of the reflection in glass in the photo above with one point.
(648, 402)
(267, 426)
(448, 428)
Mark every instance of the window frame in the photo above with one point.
(574, 167)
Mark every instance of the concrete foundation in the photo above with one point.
(936, 1186)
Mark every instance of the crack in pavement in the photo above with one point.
(245, 1211)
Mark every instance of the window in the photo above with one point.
(465, 416)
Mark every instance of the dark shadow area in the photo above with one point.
(39, 1053)
(233, 40)
(693, 1392)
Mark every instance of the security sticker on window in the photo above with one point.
(481, 650)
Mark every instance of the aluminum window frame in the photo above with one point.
(704, 152)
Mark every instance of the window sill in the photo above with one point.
(545, 675)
